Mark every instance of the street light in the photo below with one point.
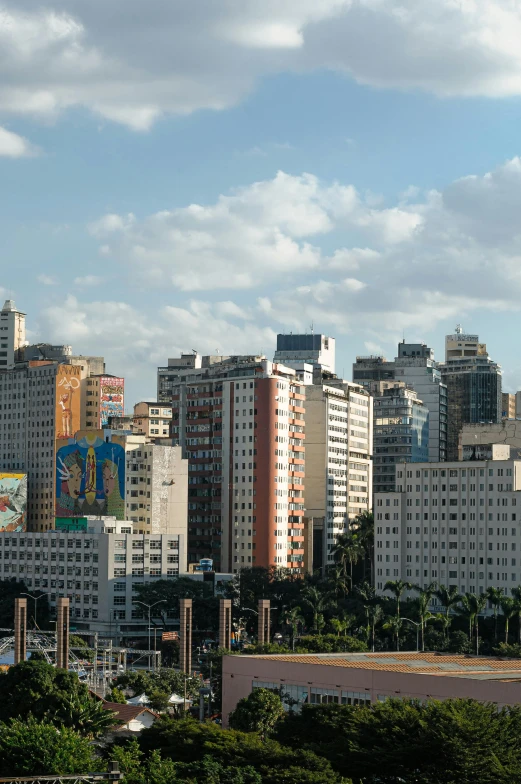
(149, 606)
(417, 632)
(31, 596)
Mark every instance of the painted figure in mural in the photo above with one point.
(101, 486)
(13, 502)
(65, 405)
(70, 473)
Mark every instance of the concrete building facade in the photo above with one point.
(152, 419)
(240, 423)
(508, 406)
(12, 334)
(457, 523)
(338, 461)
(315, 350)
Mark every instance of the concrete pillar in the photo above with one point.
(185, 635)
(264, 621)
(62, 634)
(20, 630)
(225, 623)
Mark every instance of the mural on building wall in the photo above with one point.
(90, 477)
(13, 502)
(112, 398)
(68, 400)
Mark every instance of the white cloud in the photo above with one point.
(47, 280)
(88, 280)
(182, 56)
(14, 146)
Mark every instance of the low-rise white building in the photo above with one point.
(98, 569)
(457, 524)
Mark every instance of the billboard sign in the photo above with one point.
(13, 502)
(112, 398)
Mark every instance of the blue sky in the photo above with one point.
(177, 175)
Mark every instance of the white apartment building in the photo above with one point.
(97, 569)
(12, 334)
(152, 419)
(339, 446)
(457, 524)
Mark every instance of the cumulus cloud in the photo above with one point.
(14, 146)
(130, 62)
(47, 280)
(88, 280)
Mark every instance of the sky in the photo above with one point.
(180, 174)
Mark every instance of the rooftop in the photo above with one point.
(457, 666)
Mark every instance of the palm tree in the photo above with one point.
(347, 550)
(293, 617)
(494, 595)
(394, 625)
(472, 606)
(375, 614)
(340, 625)
(397, 587)
(516, 593)
(338, 579)
(366, 594)
(363, 527)
(449, 597)
(509, 608)
(424, 598)
(318, 602)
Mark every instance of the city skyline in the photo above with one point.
(241, 171)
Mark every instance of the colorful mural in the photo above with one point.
(90, 477)
(112, 398)
(13, 502)
(68, 400)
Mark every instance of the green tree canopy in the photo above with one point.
(259, 712)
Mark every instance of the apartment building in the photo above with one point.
(240, 423)
(338, 461)
(508, 406)
(98, 569)
(457, 523)
(105, 397)
(152, 419)
(315, 350)
(12, 334)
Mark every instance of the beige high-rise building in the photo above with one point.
(508, 405)
(152, 419)
(12, 334)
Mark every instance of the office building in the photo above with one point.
(105, 397)
(400, 431)
(371, 678)
(12, 334)
(97, 566)
(315, 350)
(453, 523)
(508, 406)
(338, 461)
(475, 440)
(416, 367)
(240, 423)
(473, 385)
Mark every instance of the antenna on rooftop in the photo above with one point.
(312, 327)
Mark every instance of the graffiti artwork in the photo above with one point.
(68, 382)
(112, 398)
(13, 502)
(90, 478)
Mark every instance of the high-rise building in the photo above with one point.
(338, 461)
(240, 423)
(416, 367)
(401, 431)
(315, 350)
(105, 397)
(12, 334)
(508, 406)
(473, 385)
(453, 523)
(152, 419)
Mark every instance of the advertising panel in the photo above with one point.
(13, 502)
(90, 477)
(112, 398)
(68, 401)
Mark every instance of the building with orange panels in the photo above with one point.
(240, 421)
(365, 678)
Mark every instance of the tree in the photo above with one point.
(318, 602)
(366, 595)
(509, 609)
(173, 681)
(375, 615)
(516, 593)
(293, 618)
(363, 527)
(347, 550)
(11, 590)
(116, 695)
(394, 625)
(29, 747)
(471, 606)
(494, 595)
(424, 598)
(449, 597)
(397, 588)
(259, 712)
